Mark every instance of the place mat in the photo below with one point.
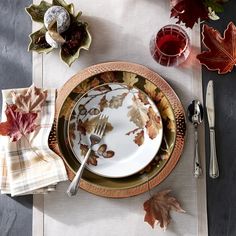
(123, 33)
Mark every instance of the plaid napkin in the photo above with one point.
(29, 166)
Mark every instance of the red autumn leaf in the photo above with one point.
(158, 208)
(188, 11)
(18, 124)
(222, 50)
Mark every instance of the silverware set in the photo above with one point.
(195, 116)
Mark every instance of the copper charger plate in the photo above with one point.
(179, 115)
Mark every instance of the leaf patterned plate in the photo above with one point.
(168, 104)
(133, 134)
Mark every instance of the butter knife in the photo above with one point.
(214, 169)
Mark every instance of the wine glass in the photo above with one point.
(170, 46)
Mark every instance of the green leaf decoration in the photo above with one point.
(69, 53)
(77, 37)
(38, 42)
(37, 12)
(62, 3)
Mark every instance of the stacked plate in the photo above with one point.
(144, 137)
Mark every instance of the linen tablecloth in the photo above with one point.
(121, 30)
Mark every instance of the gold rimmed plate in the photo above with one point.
(168, 104)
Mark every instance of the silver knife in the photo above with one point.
(214, 169)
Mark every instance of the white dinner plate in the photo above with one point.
(133, 135)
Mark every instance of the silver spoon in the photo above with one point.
(195, 116)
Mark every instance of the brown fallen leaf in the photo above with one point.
(30, 100)
(158, 208)
(18, 124)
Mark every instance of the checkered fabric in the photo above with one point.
(28, 166)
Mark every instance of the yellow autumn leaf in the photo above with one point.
(129, 78)
(67, 107)
(86, 85)
(150, 89)
(165, 109)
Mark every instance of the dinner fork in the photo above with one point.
(95, 138)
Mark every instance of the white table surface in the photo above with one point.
(121, 30)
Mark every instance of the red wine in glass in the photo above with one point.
(170, 46)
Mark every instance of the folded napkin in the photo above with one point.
(28, 166)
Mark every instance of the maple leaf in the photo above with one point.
(188, 11)
(158, 208)
(150, 88)
(222, 50)
(29, 100)
(18, 124)
(153, 125)
(108, 77)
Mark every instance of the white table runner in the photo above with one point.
(121, 30)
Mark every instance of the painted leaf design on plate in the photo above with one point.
(143, 98)
(29, 100)
(171, 125)
(90, 124)
(150, 89)
(117, 101)
(130, 78)
(18, 124)
(153, 125)
(82, 109)
(72, 131)
(221, 55)
(139, 138)
(165, 109)
(103, 88)
(94, 111)
(108, 77)
(103, 103)
(158, 208)
(81, 127)
(92, 158)
(86, 85)
(67, 107)
(138, 113)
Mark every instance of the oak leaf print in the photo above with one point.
(158, 208)
(221, 55)
(138, 113)
(92, 158)
(103, 103)
(18, 124)
(150, 88)
(130, 78)
(139, 138)
(117, 101)
(108, 77)
(29, 100)
(143, 98)
(153, 125)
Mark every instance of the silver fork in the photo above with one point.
(95, 138)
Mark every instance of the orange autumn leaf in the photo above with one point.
(153, 125)
(18, 124)
(221, 55)
(158, 208)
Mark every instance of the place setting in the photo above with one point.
(116, 129)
